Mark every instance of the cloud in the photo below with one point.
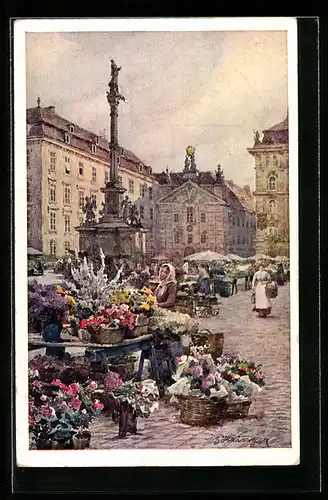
(208, 89)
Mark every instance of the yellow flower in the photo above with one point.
(59, 289)
(146, 290)
(151, 298)
(145, 306)
(66, 325)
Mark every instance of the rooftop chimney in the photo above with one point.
(51, 110)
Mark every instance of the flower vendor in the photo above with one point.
(166, 291)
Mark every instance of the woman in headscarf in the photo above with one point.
(166, 291)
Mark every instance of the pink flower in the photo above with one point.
(48, 411)
(208, 381)
(196, 371)
(93, 385)
(63, 404)
(75, 403)
(75, 387)
(43, 397)
(98, 404)
(37, 384)
(113, 381)
(58, 383)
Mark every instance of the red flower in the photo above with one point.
(63, 404)
(75, 387)
(75, 403)
(83, 324)
(98, 404)
(60, 384)
(48, 411)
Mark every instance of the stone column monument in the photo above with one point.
(115, 231)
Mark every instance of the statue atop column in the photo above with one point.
(113, 95)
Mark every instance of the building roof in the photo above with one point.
(282, 126)
(244, 195)
(46, 123)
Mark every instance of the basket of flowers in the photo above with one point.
(243, 381)
(106, 326)
(198, 388)
(271, 290)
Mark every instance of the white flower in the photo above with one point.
(84, 411)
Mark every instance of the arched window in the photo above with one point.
(272, 206)
(203, 237)
(53, 249)
(272, 183)
(67, 246)
(267, 161)
(275, 161)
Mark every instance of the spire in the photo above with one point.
(38, 100)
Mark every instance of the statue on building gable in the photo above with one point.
(256, 138)
(219, 177)
(187, 162)
(89, 209)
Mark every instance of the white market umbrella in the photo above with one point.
(260, 256)
(233, 256)
(281, 258)
(33, 251)
(206, 256)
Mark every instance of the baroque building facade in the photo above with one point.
(271, 156)
(199, 211)
(66, 164)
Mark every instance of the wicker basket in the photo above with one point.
(214, 340)
(271, 291)
(198, 411)
(233, 410)
(107, 335)
(124, 366)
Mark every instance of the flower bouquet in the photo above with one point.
(243, 381)
(60, 419)
(128, 400)
(107, 327)
(168, 323)
(199, 388)
(47, 311)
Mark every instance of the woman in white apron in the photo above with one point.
(262, 303)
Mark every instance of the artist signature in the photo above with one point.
(252, 441)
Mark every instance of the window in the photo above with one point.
(140, 168)
(275, 161)
(142, 190)
(67, 194)
(81, 168)
(53, 247)
(28, 159)
(238, 240)
(94, 174)
(97, 140)
(272, 206)
(81, 198)
(243, 222)
(131, 186)
(67, 165)
(142, 212)
(52, 193)
(53, 159)
(71, 128)
(176, 217)
(272, 182)
(243, 241)
(202, 217)
(238, 221)
(267, 161)
(52, 221)
(203, 237)
(189, 238)
(67, 246)
(93, 148)
(233, 221)
(67, 138)
(28, 191)
(190, 214)
(28, 219)
(247, 224)
(67, 223)
(176, 237)
(151, 214)
(150, 193)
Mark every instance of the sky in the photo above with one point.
(208, 89)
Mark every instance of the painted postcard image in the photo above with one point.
(156, 187)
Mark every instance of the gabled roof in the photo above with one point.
(282, 126)
(244, 196)
(203, 191)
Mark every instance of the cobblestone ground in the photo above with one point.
(264, 340)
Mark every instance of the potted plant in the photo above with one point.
(47, 310)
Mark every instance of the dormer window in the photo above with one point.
(67, 138)
(97, 140)
(140, 167)
(71, 128)
(93, 148)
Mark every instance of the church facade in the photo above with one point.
(199, 211)
(271, 156)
